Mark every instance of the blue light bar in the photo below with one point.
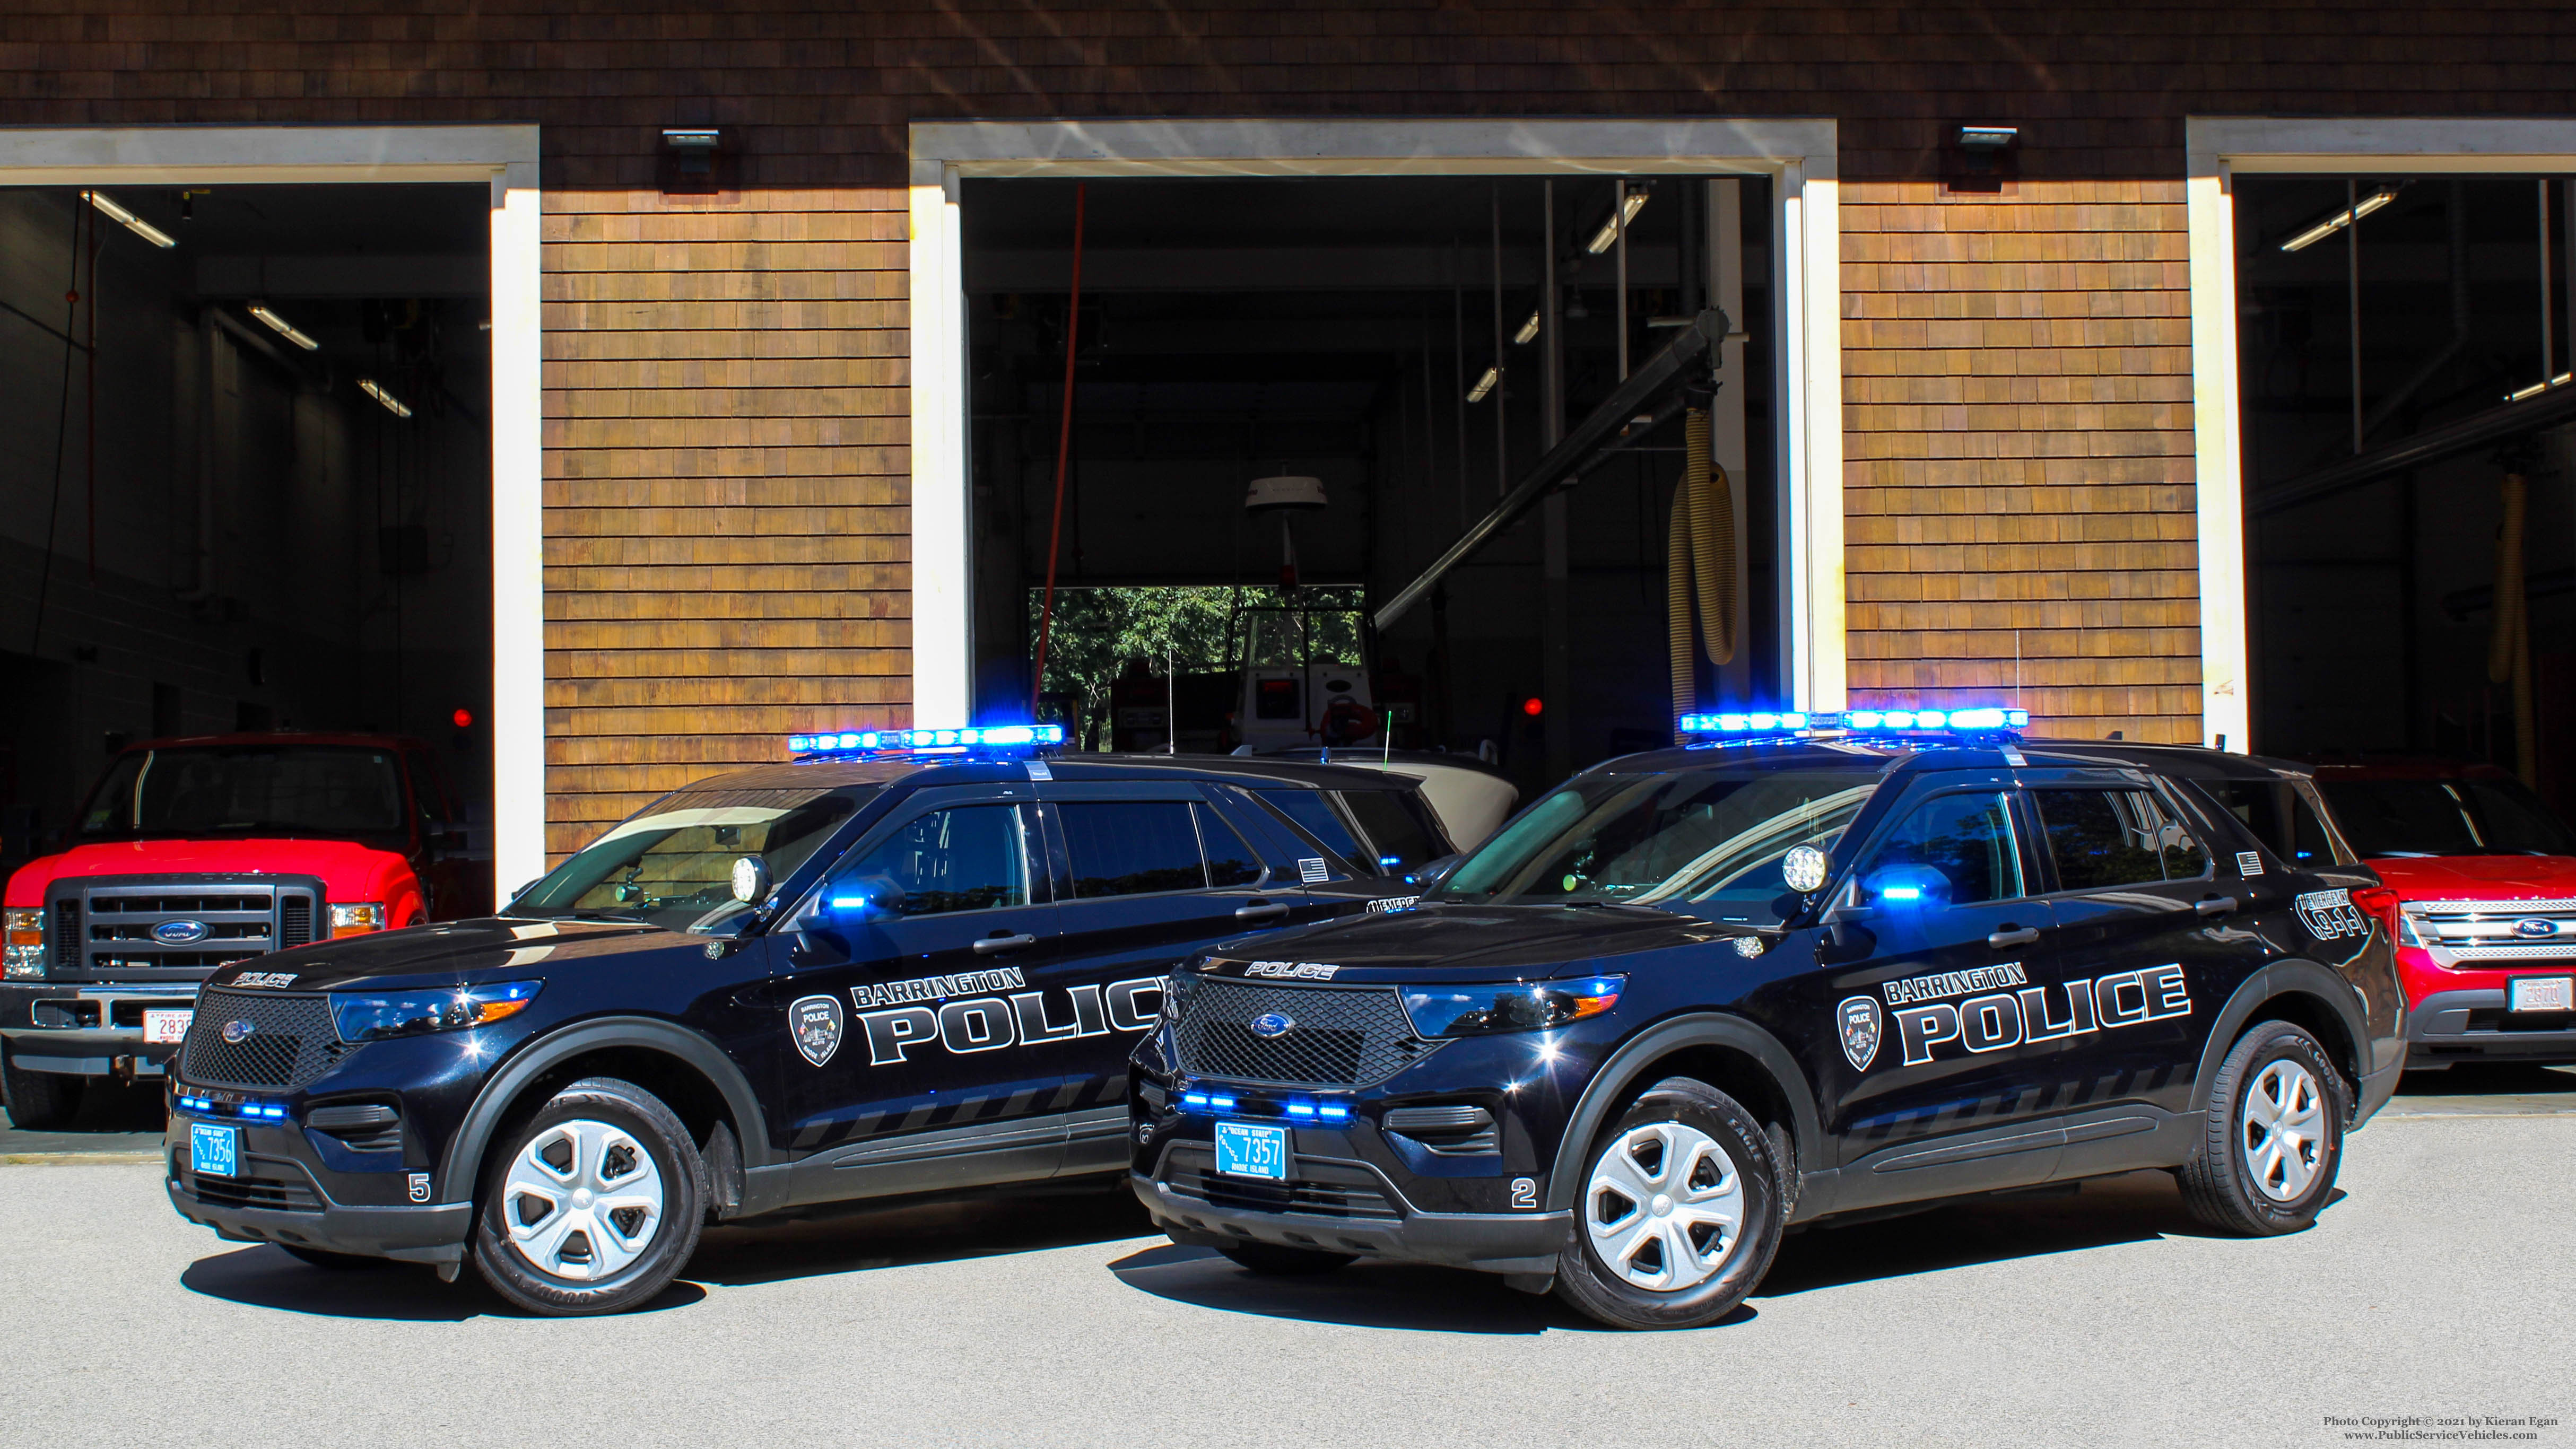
(961, 738)
(1869, 721)
(1335, 1114)
(1301, 1109)
(1195, 1099)
(1222, 1104)
(1902, 893)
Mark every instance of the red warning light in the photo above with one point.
(1532, 706)
(464, 719)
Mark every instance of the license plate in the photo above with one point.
(165, 1026)
(214, 1151)
(1246, 1149)
(2541, 993)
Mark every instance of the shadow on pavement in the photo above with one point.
(2491, 1079)
(1369, 1295)
(902, 1236)
(264, 1277)
(111, 1118)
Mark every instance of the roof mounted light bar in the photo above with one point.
(931, 741)
(1974, 719)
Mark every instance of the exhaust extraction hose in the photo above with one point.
(1699, 564)
(2509, 647)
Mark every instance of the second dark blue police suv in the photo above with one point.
(1824, 967)
(905, 964)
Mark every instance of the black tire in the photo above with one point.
(2225, 1190)
(658, 1257)
(39, 1101)
(1274, 1260)
(336, 1262)
(1600, 1290)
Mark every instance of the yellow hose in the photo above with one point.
(2509, 648)
(1699, 563)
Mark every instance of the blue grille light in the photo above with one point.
(1194, 1099)
(1301, 1109)
(1222, 1104)
(1335, 1114)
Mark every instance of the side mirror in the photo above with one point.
(1432, 872)
(849, 903)
(1805, 868)
(523, 890)
(751, 880)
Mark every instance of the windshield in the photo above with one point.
(211, 790)
(1706, 843)
(2444, 817)
(673, 864)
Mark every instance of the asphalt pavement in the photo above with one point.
(2433, 1287)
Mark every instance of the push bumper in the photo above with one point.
(1510, 1243)
(430, 1233)
(88, 1030)
(2449, 1027)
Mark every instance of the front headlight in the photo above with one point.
(374, 1016)
(26, 945)
(358, 919)
(1513, 1006)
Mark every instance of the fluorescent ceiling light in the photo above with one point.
(1608, 235)
(2537, 388)
(130, 221)
(283, 328)
(2340, 220)
(1484, 384)
(1528, 332)
(393, 405)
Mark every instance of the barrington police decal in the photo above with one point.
(815, 1022)
(1858, 1022)
(989, 1023)
(2330, 914)
(1992, 1019)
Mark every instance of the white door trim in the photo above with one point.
(2218, 148)
(1798, 154)
(505, 157)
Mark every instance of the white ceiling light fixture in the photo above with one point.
(1608, 236)
(392, 404)
(1528, 333)
(2340, 220)
(1987, 138)
(1484, 384)
(129, 220)
(283, 328)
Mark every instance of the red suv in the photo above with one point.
(2485, 877)
(195, 854)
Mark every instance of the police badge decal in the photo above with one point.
(815, 1022)
(1858, 1021)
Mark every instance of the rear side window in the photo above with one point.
(1966, 841)
(2277, 814)
(1400, 837)
(1230, 862)
(2106, 838)
(1315, 815)
(1134, 847)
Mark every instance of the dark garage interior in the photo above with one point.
(244, 476)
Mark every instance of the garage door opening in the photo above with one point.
(2406, 408)
(1377, 348)
(246, 461)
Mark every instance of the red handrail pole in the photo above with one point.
(1063, 452)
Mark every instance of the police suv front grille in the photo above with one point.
(289, 1041)
(2495, 930)
(1326, 1189)
(1342, 1036)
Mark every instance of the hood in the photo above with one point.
(495, 948)
(1468, 942)
(2479, 877)
(348, 871)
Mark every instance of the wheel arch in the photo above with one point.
(2306, 995)
(1727, 1052)
(689, 1073)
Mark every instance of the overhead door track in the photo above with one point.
(1661, 382)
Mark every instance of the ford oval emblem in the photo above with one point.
(238, 1031)
(179, 933)
(2535, 926)
(1271, 1024)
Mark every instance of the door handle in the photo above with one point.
(2012, 935)
(1260, 911)
(2215, 905)
(995, 945)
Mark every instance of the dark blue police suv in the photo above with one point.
(1833, 966)
(870, 973)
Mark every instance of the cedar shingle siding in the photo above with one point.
(726, 415)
